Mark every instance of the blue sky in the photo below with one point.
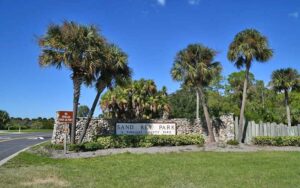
(150, 31)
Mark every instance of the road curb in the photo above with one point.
(3, 161)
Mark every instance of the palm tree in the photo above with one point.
(247, 46)
(73, 46)
(139, 99)
(143, 91)
(113, 71)
(285, 80)
(195, 67)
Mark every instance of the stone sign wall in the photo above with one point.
(223, 128)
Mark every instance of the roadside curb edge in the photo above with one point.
(3, 161)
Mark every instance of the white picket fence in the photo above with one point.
(266, 129)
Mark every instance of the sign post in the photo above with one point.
(65, 143)
(65, 118)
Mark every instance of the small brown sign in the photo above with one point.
(64, 116)
(66, 129)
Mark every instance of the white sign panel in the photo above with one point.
(146, 128)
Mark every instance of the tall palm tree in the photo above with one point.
(195, 67)
(247, 46)
(114, 71)
(73, 46)
(284, 80)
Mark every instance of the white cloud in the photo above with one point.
(294, 14)
(161, 2)
(194, 2)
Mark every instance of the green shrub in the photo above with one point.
(76, 147)
(92, 146)
(122, 141)
(54, 146)
(106, 141)
(232, 142)
(277, 140)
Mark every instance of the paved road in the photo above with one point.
(12, 143)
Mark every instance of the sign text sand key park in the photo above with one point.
(146, 128)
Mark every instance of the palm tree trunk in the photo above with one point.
(288, 113)
(91, 112)
(76, 89)
(197, 105)
(241, 121)
(211, 136)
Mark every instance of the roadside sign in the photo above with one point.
(64, 116)
(66, 129)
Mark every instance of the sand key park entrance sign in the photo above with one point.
(146, 128)
(179, 126)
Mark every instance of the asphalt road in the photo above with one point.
(12, 143)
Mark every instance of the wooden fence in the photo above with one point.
(252, 129)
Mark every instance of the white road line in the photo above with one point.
(26, 137)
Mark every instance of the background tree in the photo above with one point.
(236, 83)
(27, 123)
(247, 46)
(260, 91)
(284, 80)
(139, 99)
(74, 46)
(195, 67)
(83, 111)
(4, 119)
(294, 98)
(263, 104)
(113, 71)
(183, 104)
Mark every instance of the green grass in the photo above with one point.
(29, 130)
(200, 169)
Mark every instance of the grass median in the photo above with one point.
(195, 169)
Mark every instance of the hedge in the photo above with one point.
(277, 140)
(233, 142)
(123, 141)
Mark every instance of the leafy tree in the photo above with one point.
(137, 100)
(247, 46)
(235, 85)
(75, 47)
(37, 125)
(183, 104)
(194, 66)
(295, 106)
(284, 80)
(263, 104)
(260, 91)
(4, 118)
(83, 111)
(113, 71)
(34, 123)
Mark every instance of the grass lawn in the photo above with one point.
(195, 169)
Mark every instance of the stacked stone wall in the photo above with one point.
(223, 128)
